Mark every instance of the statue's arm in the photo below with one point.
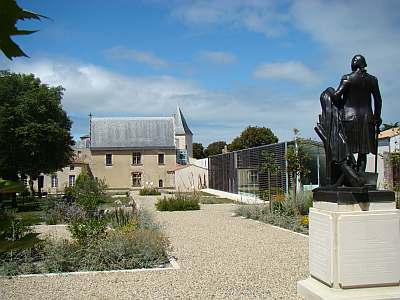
(377, 102)
(338, 96)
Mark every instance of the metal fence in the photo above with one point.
(242, 171)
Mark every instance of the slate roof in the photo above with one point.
(132, 133)
(181, 126)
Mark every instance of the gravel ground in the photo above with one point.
(220, 257)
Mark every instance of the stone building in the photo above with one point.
(128, 153)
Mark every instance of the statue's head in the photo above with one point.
(358, 62)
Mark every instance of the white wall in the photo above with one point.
(191, 177)
(203, 163)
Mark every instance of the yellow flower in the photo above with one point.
(304, 221)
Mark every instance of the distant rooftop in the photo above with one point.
(140, 132)
(181, 126)
(389, 133)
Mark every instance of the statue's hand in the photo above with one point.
(378, 121)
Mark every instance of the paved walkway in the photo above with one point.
(220, 256)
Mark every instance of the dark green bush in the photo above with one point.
(149, 191)
(88, 192)
(178, 202)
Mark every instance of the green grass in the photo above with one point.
(24, 243)
(214, 200)
(109, 202)
(149, 192)
(31, 217)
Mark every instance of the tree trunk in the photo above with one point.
(269, 191)
(14, 200)
(295, 206)
(31, 186)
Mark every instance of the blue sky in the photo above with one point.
(227, 64)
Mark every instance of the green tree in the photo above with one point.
(297, 158)
(215, 148)
(269, 165)
(253, 136)
(88, 192)
(386, 126)
(198, 151)
(34, 129)
(10, 14)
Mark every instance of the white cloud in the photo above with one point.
(144, 57)
(218, 57)
(346, 28)
(90, 88)
(291, 70)
(255, 15)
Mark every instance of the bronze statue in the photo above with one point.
(348, 125)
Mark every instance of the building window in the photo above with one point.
(161, 158)
(71, 180)
(136, 158)
(136, 179)
(160, 183)
(54, 181)
(71, 167)
(24, 180)
(108, 159)
(253, 177)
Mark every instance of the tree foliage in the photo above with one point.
(34, 129)
(269, 165)
(214, 148)
(297, 158)
(253, 136)
(88, 192)
(198, 151)
(268, 162)
(10, 14)
(386, 126)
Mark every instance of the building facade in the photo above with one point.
(388, 174)
(128, 153)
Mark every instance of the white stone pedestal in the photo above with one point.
(353, 248)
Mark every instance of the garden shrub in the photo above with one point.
(149, 191)
(178, 202)
(12, 228)
(120, 218)
(140, 248)
(62, 213)
(262, 213)
(145, 220)
(84, 231)
(88, 192)
(126, 246)
(21, 261)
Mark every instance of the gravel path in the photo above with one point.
(220, 256)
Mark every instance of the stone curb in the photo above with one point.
(277, 227)
(172, 261)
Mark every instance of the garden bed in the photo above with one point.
(95, 239)
(284, 213)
